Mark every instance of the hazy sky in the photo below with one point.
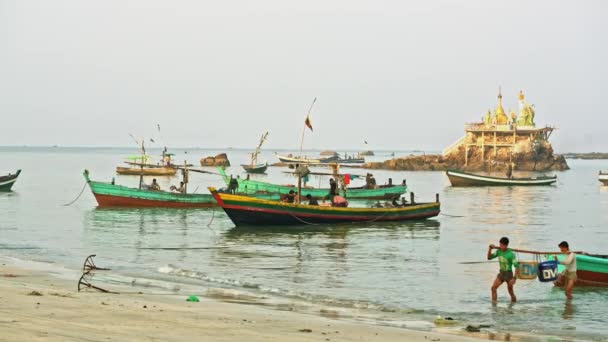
(400, 74)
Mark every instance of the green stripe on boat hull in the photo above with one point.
(264, 190)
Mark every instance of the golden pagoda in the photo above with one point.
(499, 112)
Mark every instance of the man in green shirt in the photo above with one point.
(506, 259)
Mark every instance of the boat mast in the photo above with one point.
(304, 128)
(254, 155)
(185, 176)
(141, 167)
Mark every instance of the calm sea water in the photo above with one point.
(388, 273)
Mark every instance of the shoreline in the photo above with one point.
(61, 313)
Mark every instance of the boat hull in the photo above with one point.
(249, 211)
(7, 182)
(467, 179)
(256, 188)
(257, 169)
(298, 160)
(134, 202)
(111, 195)
(603, 178)
(146, 171)
(591, 270)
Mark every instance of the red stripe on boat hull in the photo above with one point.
(589, 278)
(117, 201)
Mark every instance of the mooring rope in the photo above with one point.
(77, 197)
(212, 217)
(317, 224)
(450, 215)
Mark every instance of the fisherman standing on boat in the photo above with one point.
(233, 185)
(506, 259)
(510, 170)
(333, 188)
(568, 277)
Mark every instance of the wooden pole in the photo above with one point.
(540, 253)
(302, 140)
(304, 129)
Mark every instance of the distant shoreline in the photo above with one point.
(586, 156)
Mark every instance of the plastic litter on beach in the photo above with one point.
(445, 321)
(192, 299)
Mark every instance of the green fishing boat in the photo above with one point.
(267, 190)
(112, 195)
(591, 269)
(6, 182)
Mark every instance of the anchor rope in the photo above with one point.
(77, 197)
(317, 224)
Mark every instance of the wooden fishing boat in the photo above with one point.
(111, 195)
(254, 166)
(305, 160)
(246, 210)
(257, 188)
(459, 178)
(258, 168)
(603, 178)
(591, 270)
(146, 171)
(6, 182)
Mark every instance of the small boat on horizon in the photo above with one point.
(289, 159)
(459, 178)
(254, 166)
(146, 171)
(251, 211)
(7, 182)
(603, 177)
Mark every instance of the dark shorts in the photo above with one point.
(505, 276)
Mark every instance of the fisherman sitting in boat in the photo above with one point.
(370, 181)
(154, 186)
(311, 200)
(395, 203)
(339, 201)
(181, 189)
(291, 197)
(568, 276)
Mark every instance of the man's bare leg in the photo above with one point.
(569, 286)
(495, 286)
(510, 285)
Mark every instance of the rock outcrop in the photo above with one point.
(527, 156)
(219, 160)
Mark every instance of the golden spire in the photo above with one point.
(521, 95)
(499, 112)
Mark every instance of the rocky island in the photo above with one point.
(490, 145)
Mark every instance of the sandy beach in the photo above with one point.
(35, 306)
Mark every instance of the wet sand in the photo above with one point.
(36, 306)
